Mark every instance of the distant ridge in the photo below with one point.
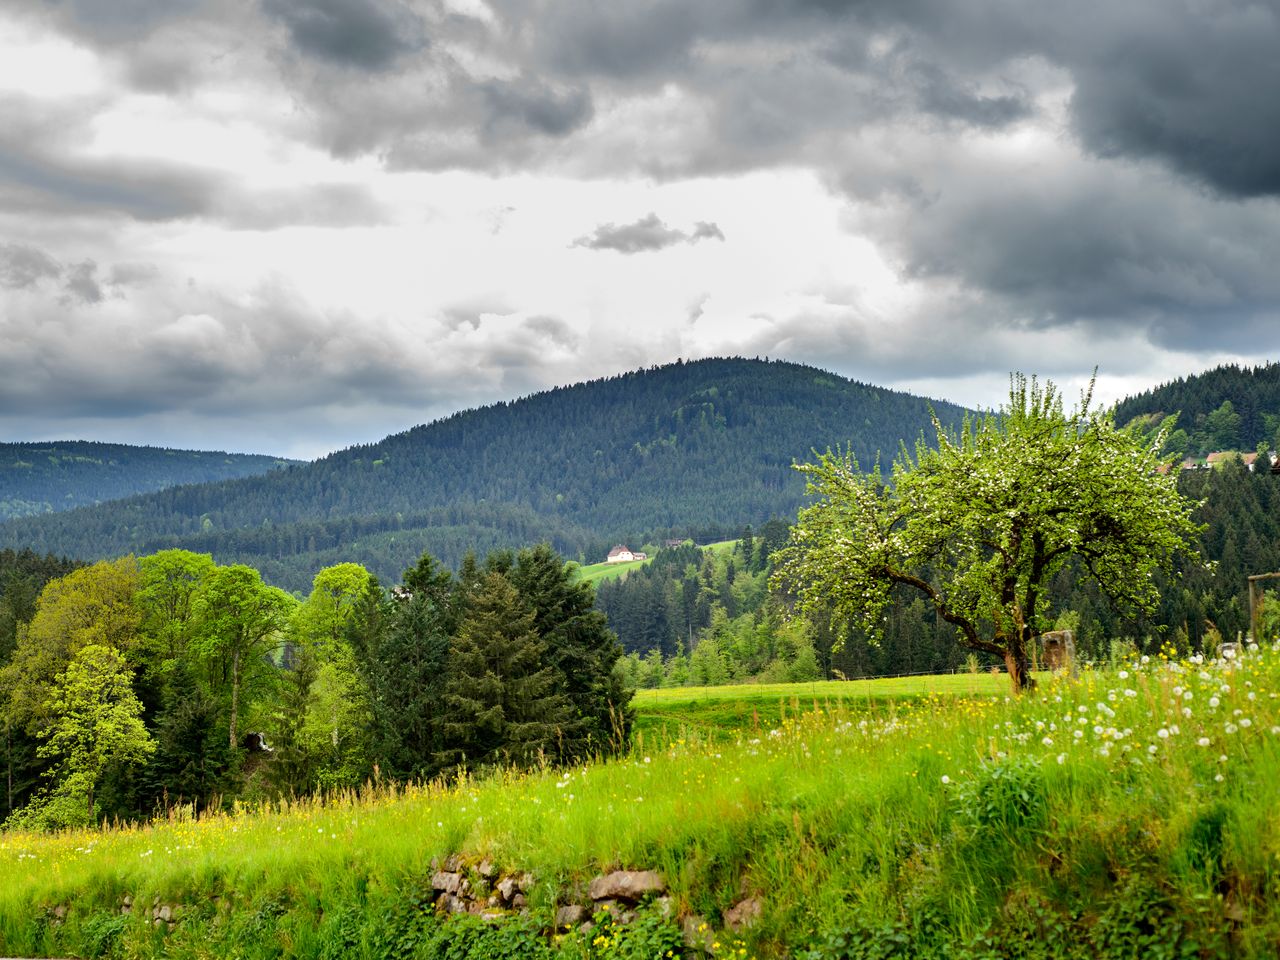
(704, 446)
(1254, 395)
(52, 476)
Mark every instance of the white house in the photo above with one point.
(621, 554)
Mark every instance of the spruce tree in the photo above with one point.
(581, 647)
(502, 701)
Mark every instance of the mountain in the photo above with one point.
(1226, 408)
(684, 449)
(38, 478)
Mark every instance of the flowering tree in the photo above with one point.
(981, 523)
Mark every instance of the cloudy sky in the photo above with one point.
(291, 225)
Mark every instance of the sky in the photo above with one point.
(288, 226)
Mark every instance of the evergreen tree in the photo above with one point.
(502, 700)
(581, 649)
(407, 683)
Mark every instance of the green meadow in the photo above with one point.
(1129, 813)
(595, 572)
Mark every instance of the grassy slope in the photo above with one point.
(595, 572)
(1058, 825)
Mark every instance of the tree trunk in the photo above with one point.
(235, 694)
(1015, 659)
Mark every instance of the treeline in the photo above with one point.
(648, 454)
(1227, 408)
(44, 477)
(140, 684)
(694, 617)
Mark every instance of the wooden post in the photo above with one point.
(1255, 602)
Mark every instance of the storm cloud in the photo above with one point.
(257, 202)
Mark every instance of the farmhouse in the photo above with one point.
(622, 554)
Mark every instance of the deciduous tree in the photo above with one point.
(979, 524)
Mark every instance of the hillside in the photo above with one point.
(1126, 814)
(692, 449)
(38, 478)
(1226, 408)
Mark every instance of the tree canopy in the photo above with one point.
(980, 524)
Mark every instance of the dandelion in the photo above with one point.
(1162, 733)
(945, 779)
(1246, 722)
(1219, 778)
(1205, 741)
(1213, 703)
(1047, 741)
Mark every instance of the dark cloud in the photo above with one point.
(1192, 89)
(365, 34)
(646, 234)
(530, 105)
(23, 266)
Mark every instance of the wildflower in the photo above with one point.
(1162, 733)
(1246, 722)
(1203, 741)
(1219, 778)
(945, 779)
(1213, 702)
(1047, 741)
(1062, 758)
(1230, 728)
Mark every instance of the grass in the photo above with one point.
(726, 712)
(1127, 814)
(595, 572)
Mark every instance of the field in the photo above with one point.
(1128, 814)
(595, 572)
(726, 712)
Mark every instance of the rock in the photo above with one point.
(570, 916)
(743, 914)
(452, 904)
(487, 869)
(453, 863)
(519, 902)
(444, 881)
(60, 911)
(629, 885)
(525, 882)
(508, 887)
(165, 912)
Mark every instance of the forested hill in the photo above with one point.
(678, 449)
(1226, 408)
(38, 478)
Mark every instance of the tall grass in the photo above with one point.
(1129, 813)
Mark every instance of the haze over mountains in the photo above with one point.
(688, 448)
(50, 477)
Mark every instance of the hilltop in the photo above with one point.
(49, 477)
(690, 449)
(1226, 408)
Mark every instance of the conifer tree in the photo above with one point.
(501, 698)
(580, 646)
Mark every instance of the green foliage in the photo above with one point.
(502, 705)
(95, 720)
(980, 525)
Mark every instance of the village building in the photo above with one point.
(622, 554)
